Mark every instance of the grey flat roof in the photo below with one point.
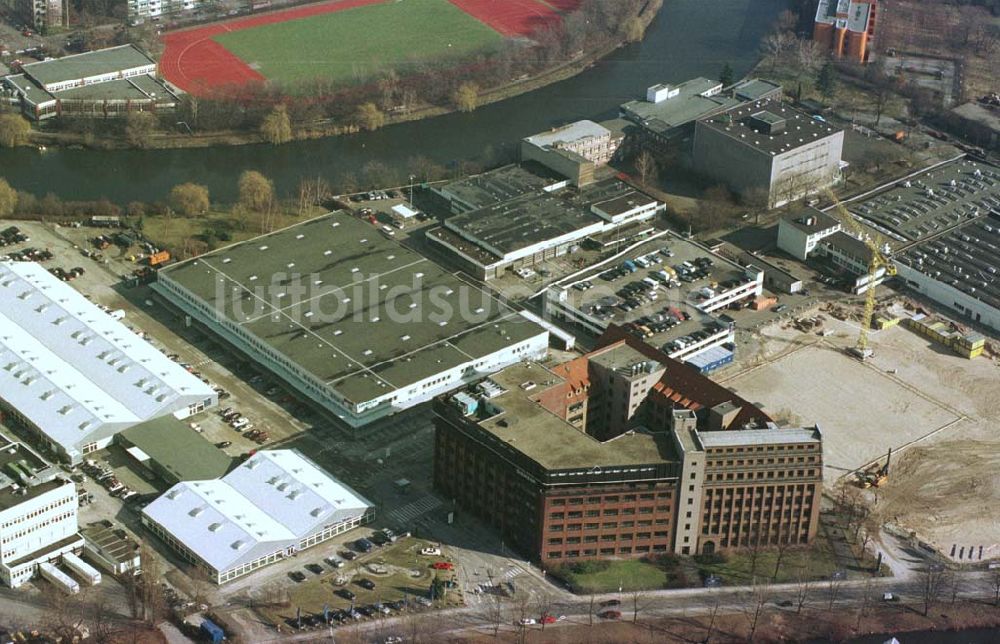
(766, 436)
(800, 129)
(553, 443)
(988, 116)
(755, 89)
(91, 63)
(962, 258)
(503, 184)
(521, 222)
(353, 327)
(820, 221)
(931, 202)
(689, 105)
(137, 88)
(849, 245)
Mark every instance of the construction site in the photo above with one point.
(928, 390)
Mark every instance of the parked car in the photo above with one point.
(363, 545)
(345, 593)
(367, 584)
(610, 614)
(348, 555)
(315, 568)
(297, 576)
(431, 551)
(611, 602)
(223, 444)
(443, 565)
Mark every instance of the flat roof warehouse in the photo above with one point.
(356, 315)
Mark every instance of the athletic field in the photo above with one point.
(355, 44)
(345, 40)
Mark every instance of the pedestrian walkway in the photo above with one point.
(404, 515)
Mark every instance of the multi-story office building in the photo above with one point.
(38, 514)
(768, 150)
(624, 453)
(574, 151)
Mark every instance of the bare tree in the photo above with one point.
(995, 586)
(711, 621)
(802, 589)
(932, 583)
(809, 55)
(775, 45)
(754, 605)
(645, 167)
(865, 601)
(836, 581)
(638, 603)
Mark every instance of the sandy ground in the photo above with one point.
(939, 412)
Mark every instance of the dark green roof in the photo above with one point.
(91, 63)
(178, 450)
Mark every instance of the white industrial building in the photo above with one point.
(798, 235)
(271, 507)
(74, 376)
(375, 328)
(38, 514)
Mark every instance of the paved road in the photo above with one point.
(689, 602)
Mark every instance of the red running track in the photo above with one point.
(510, 17)
(565, 5)
(197, 64)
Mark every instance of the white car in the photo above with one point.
(527, 621)
(431, 552)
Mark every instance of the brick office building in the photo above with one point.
(624, 453)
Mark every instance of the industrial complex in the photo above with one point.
(622, 453)
(353, 320)
(74, 376)
(272, 506)
(537, 226)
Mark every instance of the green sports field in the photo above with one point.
(356, 43)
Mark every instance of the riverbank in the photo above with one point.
(326, 129)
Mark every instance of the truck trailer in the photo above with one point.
(60, 579)
(90, 575)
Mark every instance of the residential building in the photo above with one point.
(140, 11)
(799, 234)
(765, 150)
(538, 226)
(41, 15)
(353, 320)
(846, 28)
(72, 375)
(574, 150)
(624, 453)
(38, 514)
(100, 83)
(274, 505)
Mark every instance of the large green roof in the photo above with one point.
(91, 63)
(178, 449)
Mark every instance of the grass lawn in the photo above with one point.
(173, 232)
(809, 563)
(355, 43)
(629, 574)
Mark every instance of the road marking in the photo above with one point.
(412, 510)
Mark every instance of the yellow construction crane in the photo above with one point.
(879, 262)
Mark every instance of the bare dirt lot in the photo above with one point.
(939, 412)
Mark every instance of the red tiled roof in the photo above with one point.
(684, 385)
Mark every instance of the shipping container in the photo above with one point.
(159, 258)
(60, 579)
(83, 570)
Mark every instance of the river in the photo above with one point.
(688, 38)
